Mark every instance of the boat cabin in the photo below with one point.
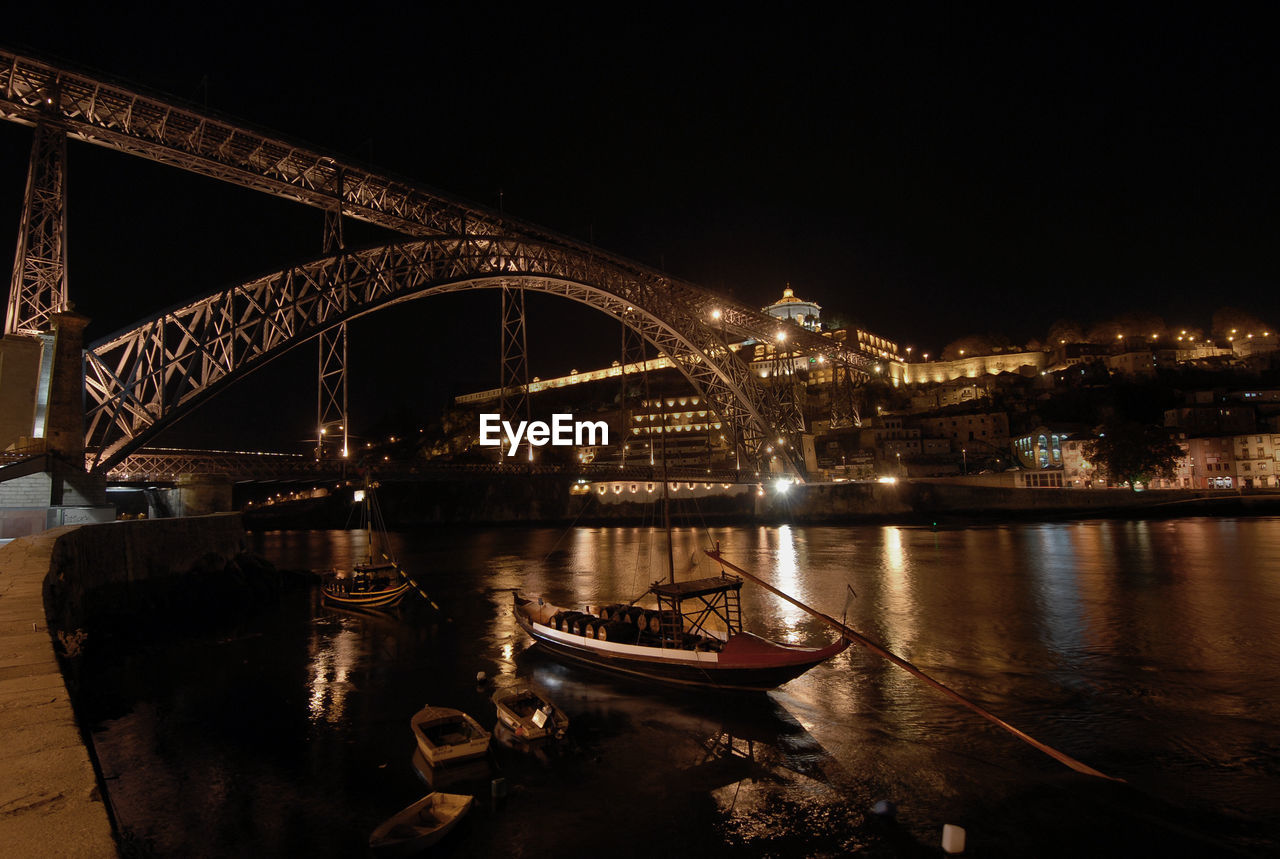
(715, 609)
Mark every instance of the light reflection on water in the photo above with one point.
(1150, 650)
(332, 658)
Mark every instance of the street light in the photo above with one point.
(964, 457)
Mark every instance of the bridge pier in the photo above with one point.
(44, 484)
(195, 495)
(64, 420)
(20, 356)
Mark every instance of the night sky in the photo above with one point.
(925, 174)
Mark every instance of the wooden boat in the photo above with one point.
(676, 644)
(529, 717)
(419, 826)
(376, 581)
(446, 736)
(694, 637)
(474, 773)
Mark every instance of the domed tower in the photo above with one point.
(799, 311)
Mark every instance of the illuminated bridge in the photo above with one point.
(141, 381)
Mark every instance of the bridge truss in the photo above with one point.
(142, 380)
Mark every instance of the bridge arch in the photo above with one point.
(140, 381)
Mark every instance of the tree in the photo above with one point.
(975, 344)
(1134, 453)
(1064, 331)
(1232, 322)
(1134, 324)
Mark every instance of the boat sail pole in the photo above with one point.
(368, 518)
(858, 638)
(666, 509)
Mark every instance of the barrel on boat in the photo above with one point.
(622, 632)
(572, 622)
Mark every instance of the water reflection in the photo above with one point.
(332, 659)
(899, 601)
(1055, 573)
(786, 574)
(1151, 650)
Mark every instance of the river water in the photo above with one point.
(1149, 650)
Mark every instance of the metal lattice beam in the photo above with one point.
(332, 424)
(123, 118)
(513, 401)
(162, 129)
(144, 379)
(39, 286)
(166, 464)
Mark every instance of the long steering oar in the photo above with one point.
(408, 578)
(858, 638)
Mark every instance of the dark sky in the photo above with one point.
(928, 173)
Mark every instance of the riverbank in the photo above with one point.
(58, 590)
(50, 802)
(541, 500)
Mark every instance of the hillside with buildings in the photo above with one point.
(983, 411)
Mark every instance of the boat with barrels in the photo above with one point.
(693, 637)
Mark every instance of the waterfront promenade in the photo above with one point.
(49, 799)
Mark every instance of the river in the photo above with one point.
(1149, 650)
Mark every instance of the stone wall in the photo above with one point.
(98, 571)
(834, 502)
(45, 492)
(31, 490)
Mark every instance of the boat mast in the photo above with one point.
(368, 519)
(666, 509)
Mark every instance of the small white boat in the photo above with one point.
(528, 716)
(419, 826)
(446, 736)
(465, 775)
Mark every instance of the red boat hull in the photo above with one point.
(745, 662)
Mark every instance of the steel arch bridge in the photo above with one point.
(142, 380)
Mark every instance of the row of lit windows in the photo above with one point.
(684, 401)
(651, 418)
(617, 488)
(676, 428)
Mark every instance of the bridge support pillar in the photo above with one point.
(64, 425)
(19, 382)
(39, 285)
(331, 405)
(513, 396)
(809, 453)
(200, 494)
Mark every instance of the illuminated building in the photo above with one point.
(806, 314)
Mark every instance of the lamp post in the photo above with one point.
(964, 457)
